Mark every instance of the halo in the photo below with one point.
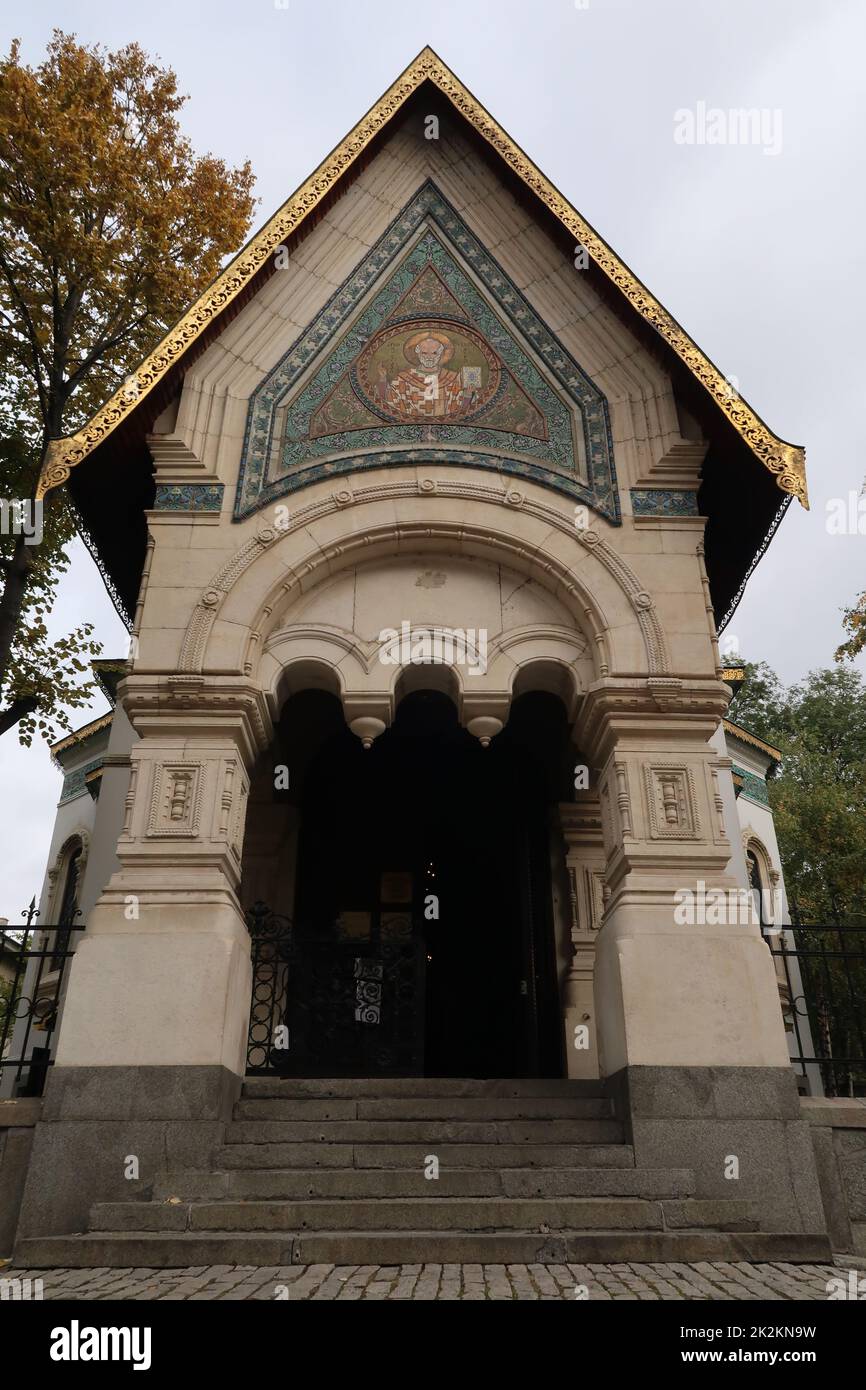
(416, 338)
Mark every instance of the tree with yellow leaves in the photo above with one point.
(110, 225)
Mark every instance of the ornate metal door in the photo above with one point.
(335, 1007)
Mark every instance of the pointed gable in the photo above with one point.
(536, 409)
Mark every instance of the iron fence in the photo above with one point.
(323, 1007)
(824, 968)
(30, 1001)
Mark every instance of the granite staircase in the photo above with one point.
(344, 1172)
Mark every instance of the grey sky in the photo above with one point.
(759, 256)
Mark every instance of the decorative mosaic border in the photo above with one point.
(189, 497)
(663, 502)
(370, 448)
(754, 787)
(74, 782)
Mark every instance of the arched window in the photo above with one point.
(68, 903)
(757, 885)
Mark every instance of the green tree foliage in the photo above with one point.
(818, 796)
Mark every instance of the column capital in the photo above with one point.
(646, 710)
(199, 707)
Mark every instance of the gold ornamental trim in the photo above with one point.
(745, 737)
(83, 734)
(787, 462)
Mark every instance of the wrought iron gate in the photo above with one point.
(333, 1008)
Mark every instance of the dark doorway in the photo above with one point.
(423, 940)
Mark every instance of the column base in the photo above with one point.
(94, 1119)
(702, 1118)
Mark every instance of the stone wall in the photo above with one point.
(18, 1119)
(839, 1141)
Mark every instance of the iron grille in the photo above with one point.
(30, 1001)
(826, 1000)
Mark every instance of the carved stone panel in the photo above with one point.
(671, 804)
(175, 800)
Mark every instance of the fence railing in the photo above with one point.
(824, 966)
(30, 1001)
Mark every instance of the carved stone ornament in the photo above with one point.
(175, 801)
(671, 805)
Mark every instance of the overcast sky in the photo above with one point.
(759, 255)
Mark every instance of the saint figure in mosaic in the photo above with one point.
(426, 388)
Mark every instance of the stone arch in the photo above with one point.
(443, 679)
(244, 602)
(547, 659)
(754, 844)
(77, 841)
(306, 655)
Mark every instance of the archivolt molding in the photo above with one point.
(315, 644)
(355, 546)
(751, 842)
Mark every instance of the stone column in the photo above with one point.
(152, 1045)
(670, 994)
(162, 975)
(691, 1039)
(584, 862)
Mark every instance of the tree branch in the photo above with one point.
(16, 711)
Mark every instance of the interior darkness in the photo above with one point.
(428, 813)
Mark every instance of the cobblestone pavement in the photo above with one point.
(778, 1282)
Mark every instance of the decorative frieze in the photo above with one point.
(188, 497)
(752, 787)
(660, 502)
(75, 783)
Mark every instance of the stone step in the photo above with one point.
(429, 1132)
(410, 1087)
(299, 1184)
(426, 1214)
(414, 1156)
(174, 1251)
(473, 1108)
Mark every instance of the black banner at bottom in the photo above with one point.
(59, 1338)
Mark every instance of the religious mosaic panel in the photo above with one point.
(446, 362)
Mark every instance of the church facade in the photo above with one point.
(425, 518)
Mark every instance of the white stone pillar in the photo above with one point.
(670, 995)
(162, 975)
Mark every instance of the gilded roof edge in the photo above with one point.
(787, 462)
(80, 736)
(746, 737)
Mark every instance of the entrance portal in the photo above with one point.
(423, 934)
